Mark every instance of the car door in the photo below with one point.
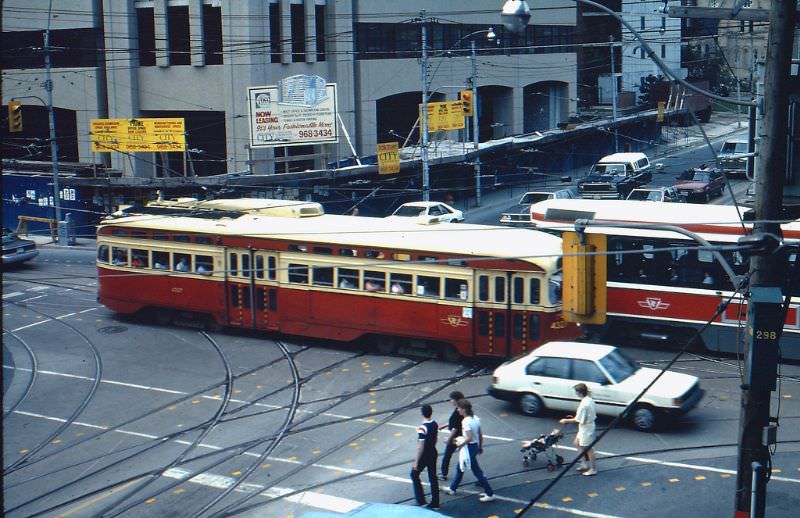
(549, 377)
(605, 396)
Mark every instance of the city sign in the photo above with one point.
(299, 110)
(388, 158)
(136, 135)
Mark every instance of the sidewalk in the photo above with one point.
(494, 201)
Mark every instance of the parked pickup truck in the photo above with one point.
(732, 158)
(614, 176)
(520, 213)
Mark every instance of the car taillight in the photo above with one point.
(677, 401)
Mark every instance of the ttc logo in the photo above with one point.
(653, 304)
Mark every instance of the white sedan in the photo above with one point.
(432, 209)
(544, 379)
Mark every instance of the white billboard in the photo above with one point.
(299, 110)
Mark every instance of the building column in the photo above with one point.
(162, 32)
(286, 32)
(197, 39)
(311, 31)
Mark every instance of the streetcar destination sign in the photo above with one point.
(299, 110)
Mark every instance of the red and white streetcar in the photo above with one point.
(288, 267)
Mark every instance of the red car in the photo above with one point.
(700, 183)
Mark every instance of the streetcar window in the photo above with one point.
(400, 284)
(140, 258)
(119, 256)
(324, 250)
(234, 291)
(202, 240)
(483, 288)
(533, 327)
(348, 279)
(348, 252)
(260, 302)
(499, 289)
(298, 248)
(483, 323)
(373, 254)
(246, 297)
(119, 232)
(534, 291)
(245, 265)
(554, 290)
(374, 281)
(298, 273)
(428, 258)
(204, 264)
(428, 286)
(233, 267)
(517, 325)
(159, 236)
(182, 262)
(401, 257)
(518, 290)
(102, 253)
(455, 289)
(322, 275)
(139, 234)
(584, 370)
(499, 325)
(160, 260)
(272, 267)
(259, 267)
(181, 238)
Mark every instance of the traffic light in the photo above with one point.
(466, 102)
(584, 277)
(14, 116)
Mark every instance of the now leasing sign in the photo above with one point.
(299, 110)
(445, 116)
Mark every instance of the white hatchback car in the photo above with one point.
(432, 209)
(545, 378)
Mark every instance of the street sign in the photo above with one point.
(445, 116)
(136, 135)
(388, 158)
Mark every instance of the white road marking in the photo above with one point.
(60, 317)
(12, 294)
(39, 288)
(32, 298)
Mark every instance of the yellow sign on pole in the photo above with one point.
(445, 116)
(388, 158)
(660, 116)
(134, 135)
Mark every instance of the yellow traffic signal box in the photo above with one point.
(584, 277)
(14, 116)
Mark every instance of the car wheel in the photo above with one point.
(707, 196)
(531, 404)
(644, 419)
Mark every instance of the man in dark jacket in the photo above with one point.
(454, 424)
(425, 458)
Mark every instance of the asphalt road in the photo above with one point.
(117, 401)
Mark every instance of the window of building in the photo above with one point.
(641, 23)
(212, 34)
(319, 18)
(22, 49)
(178, 35)
(298, 22)
(76, 47)
(146, 30)
(275, 33)
(298, 273)
(663, 51)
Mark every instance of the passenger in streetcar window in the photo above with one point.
(397, 288)
(345, 283)
(137, 262)
(371, 285)
(708, 279)
(158, 266)
(182, 265)
(120, 257)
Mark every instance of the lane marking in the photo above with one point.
(39, 288)
(33, 298)
(12, 294)
(60, 317)
(96, 499)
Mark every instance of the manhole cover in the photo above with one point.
(111, 330)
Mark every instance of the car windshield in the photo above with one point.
(555, 289)
(645, 195)
(734, 147)
(619, 366)
(609, 169)
(530, 198)
(701, 177)
(409, 211)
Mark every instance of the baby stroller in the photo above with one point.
(543, 444)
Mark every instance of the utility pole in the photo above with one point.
(426, 186)
(48, 86)
(475, 125)
(614, 94)
(768, 273)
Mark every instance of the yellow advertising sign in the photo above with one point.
(388, 158)
(660, 116)
(445, 116)
(134, 135)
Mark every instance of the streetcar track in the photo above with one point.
(31, 378)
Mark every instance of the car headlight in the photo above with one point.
(700, 190)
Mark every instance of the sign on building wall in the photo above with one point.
(445, 116)
(134, 135)
(388, 158)
(299, 110)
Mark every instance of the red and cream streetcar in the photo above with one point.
(286, 266)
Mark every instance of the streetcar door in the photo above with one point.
(492, 314)
(238, 288)
(265, 286)
(523, 333)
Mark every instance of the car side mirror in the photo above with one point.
(659, 166)
(566, 179)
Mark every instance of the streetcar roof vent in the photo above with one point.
(567, 215)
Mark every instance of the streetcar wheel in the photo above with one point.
(449, 353)
(644, 419)
(385, 345)
(531, 404)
